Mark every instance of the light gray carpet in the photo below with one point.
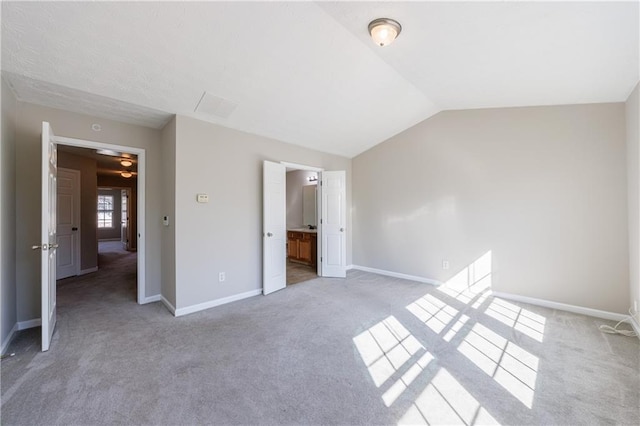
(291, 358)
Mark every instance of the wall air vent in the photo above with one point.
(214, 105)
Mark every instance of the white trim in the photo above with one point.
(349, 267)
(168, 305)
(396, 275)
(301, 167)
(141, 187)
(7, 341)
(23, 325)
(217, 302)
(88, 270)
(151, 299)
(562, 306)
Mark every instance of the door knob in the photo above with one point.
(53, 246)
(74, 229)
(38, 247)
(341, 229)
(269, 234)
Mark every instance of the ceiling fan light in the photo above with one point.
(126, 163)
(126, 175)
(384, 31)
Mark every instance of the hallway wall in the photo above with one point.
(8, 313)
(88, 200)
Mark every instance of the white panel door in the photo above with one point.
(274, 267)
(48, 244)
(333, 226)
(68, 217)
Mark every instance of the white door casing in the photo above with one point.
(333, 225)
(48, 244)
(274, 259)
(68, 223)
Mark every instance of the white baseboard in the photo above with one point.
(151, 299)
(88, 270)
(7, 341)
(396, 274)
(349, 267)
(109, 239)
(216, 302)
(23, 325)
(561, 306)
(168, 305)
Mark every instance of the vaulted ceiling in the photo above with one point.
(307, 73)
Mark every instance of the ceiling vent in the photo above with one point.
(214, 105)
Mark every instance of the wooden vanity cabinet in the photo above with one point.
(301, 247)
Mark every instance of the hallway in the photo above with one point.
(113, 283)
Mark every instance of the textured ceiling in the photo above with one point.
(106, 165)
(307, 73)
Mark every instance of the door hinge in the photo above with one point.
(320, 259)
(320, 221)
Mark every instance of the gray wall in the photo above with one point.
(29, 127)
(169, 209)
(633, 179)
(88, 199)
(111, 233)
(8, 291)
(225, 235)
(296, 179)
(542, 188)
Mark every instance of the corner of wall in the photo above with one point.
(8, 286)
(632, 110)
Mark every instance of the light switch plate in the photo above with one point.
(202, 198)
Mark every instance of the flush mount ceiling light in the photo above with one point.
(126, 163)
(126, 174)
(384, 31)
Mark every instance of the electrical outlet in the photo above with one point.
(221, 277)
(445, 264)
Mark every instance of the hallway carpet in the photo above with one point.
(363, 350)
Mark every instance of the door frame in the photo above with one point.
(141, 210)
(77, 213)
(318, 170)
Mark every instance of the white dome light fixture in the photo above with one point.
(126, 175)
(384, 31)
(126, 163)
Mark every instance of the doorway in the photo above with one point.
(331, 230)
(302, 225)
(120, 169)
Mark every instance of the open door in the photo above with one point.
(274, 228)
(333, 224)
(48, 244)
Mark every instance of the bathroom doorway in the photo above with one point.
(302, 225)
